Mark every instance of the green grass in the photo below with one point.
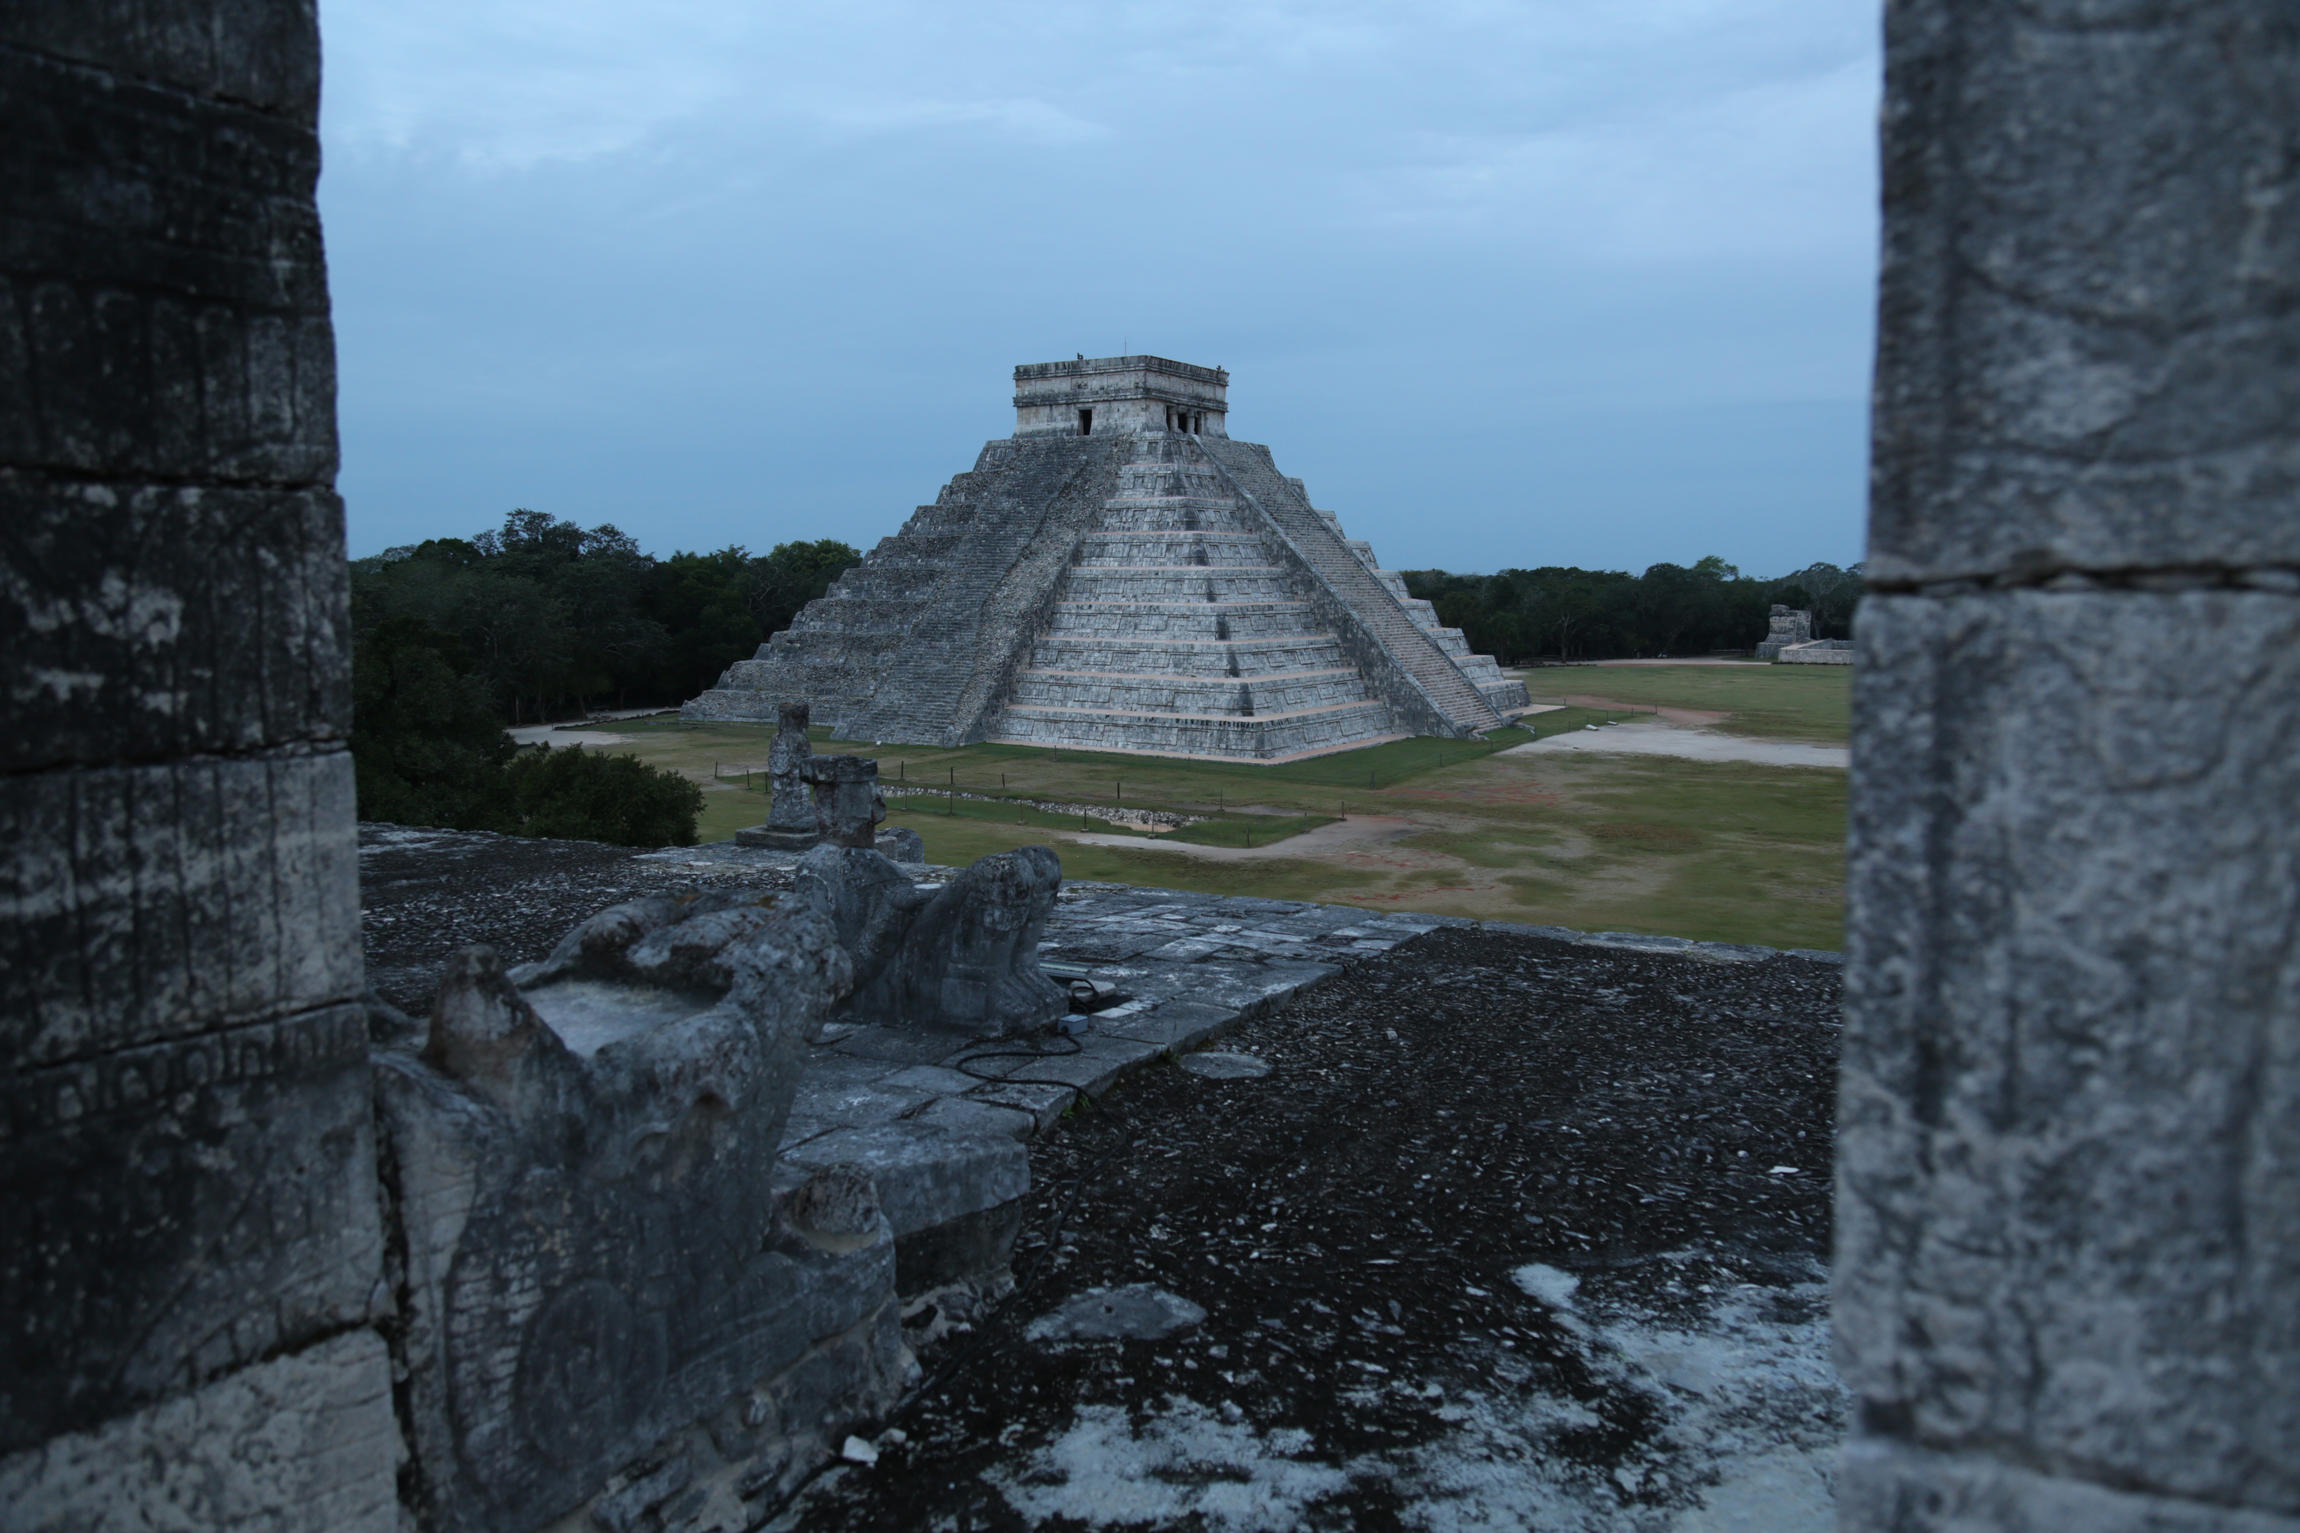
(1723, 850)
(1785, 702)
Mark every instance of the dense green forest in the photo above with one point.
(1573, 614)
(552, 619)
(454, 637)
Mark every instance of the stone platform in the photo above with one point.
(902, 1165)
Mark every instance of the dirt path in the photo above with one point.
(1660, 737)
(1356, 830)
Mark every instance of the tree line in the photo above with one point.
(1562, 613)
(455, 637)
(553, 618)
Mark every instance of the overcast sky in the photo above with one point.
(1549, 282)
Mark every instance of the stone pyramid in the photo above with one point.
(1120, 575)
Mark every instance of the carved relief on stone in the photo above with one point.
(582, 1164)
(847, 803)
(792, 805)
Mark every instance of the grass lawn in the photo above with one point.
(1784, 702)
(1722, 850)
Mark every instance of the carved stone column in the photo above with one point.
(2068, 1287)
(191, 1259)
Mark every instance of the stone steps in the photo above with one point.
(1109, 593)
(1348, 574)
(1187, 657)
(1223, 736)
(1172, 584)
(1257, 696)
(1183, 620)
(1178, 516)
(1170, 550)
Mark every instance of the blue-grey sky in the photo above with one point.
(1544, 282)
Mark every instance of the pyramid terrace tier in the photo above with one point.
(1171, 548)
(1225, 736)
(1177, 514)
(1135, 655)
(1204, 620)
(1178, 582)
(1204, 696)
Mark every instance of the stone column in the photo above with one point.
(190, 1257)
(2068, 1282)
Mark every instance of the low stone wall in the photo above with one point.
(1817, 652)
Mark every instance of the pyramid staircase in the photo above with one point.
(1157, 592)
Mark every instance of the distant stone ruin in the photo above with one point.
(1785, 626)
(827, 800)
(1790, 641)
(1120, 575)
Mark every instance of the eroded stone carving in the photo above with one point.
(598, 1250)
(792, 805)
(824, 799)
(963, 957)
(969, 958)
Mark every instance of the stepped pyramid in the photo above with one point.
(1120, 575)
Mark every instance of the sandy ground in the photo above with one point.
(1355, 830)
(576, 734)
(552, 734)
(1660, 738)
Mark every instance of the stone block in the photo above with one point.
(973, 1248)
(1100, 1060)
(198, 620)
(853, 1091)
(166, 305)
(256, 52)
(924, 1175)
(2087, 316)
(179, 1210)
(598, 1251)
(964, 1115)
(1175, 1026)
(968, 955)
(1040, 1105)
(2070, 1103)
(148, 902)
(305, 1440)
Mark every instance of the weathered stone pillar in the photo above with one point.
(189, 1250)
(2068, 1286)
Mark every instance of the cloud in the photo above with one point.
(610, 256)
(1779, 169)
(1023, 118)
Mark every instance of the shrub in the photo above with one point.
(577, 795)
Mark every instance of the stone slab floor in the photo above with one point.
(1521, 1229)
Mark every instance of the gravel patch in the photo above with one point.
(1520, 1232)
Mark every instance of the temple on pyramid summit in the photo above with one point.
(1121, 575)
